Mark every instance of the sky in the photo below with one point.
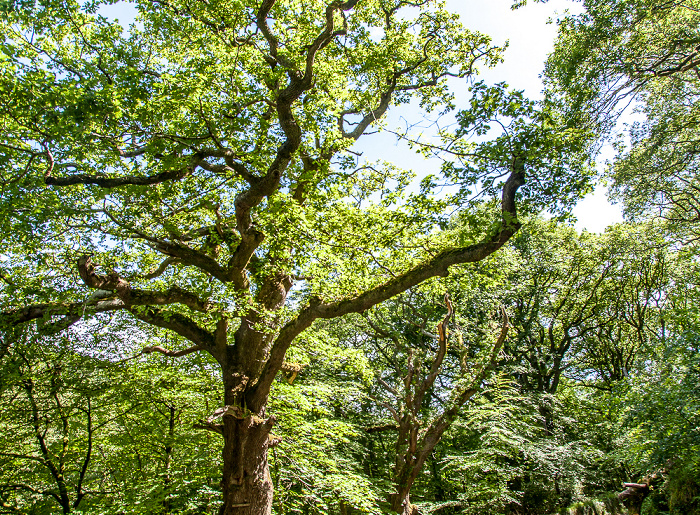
(530, 32)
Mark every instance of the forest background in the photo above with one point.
(197, 251)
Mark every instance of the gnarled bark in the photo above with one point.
(246, 484)
(634, 494)
(401, 502)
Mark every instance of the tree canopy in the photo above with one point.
(640, 55)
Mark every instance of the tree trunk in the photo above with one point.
(168, 459)
(247, 485)
(633, 497)
(401, 503)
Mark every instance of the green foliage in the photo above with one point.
(641, 53)
(515, 448)
(164, 149)
(501, 126)
(83, 435)
(315, 467)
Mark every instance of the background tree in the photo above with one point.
(660, 421)
(81, 434)
(56, 404)
(642, 54)
(425, 388)
(586, 311)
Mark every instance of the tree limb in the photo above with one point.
(171, 353)
(179, 324)
(439, 357)
(137, 297)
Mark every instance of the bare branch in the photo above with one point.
(170, 353)
(440, 356)
(69, 311)
(389, 407)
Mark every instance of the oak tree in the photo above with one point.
(196, 173)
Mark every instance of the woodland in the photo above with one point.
(211, 302)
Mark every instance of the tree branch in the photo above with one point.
(71, 312)
(440, 356)
(179, 324)
(170, 353)
(137, 297)
(115, 182)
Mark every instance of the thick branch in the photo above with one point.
(177, 323)
(71, 312)
(197, 160)
(192, 257)
(115, 182)
(137, 297)
(170, 353)
(368, 119)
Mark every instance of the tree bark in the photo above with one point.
(247, 485)
(634, 494)
(169, 459)
(633, 497)
(401, 502)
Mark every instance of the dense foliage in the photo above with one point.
(596, 385)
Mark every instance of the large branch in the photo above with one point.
(368, 119)
(134, 299)
(171, 353)
(436, 266)
(115, 182)
(189, 256)
(186, 255)
(134, 296)
(179, 324)
(265, 186)
(198, 159)
(70, 312)
(112, 293)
